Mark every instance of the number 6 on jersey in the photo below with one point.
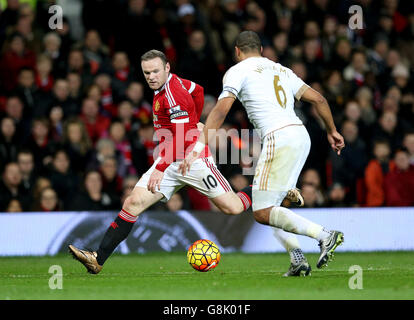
(278, 89)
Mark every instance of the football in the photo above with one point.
(203, 255)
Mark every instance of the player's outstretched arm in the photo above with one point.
(214, 121)
(322, 107)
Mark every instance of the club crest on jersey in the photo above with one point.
(157, 106)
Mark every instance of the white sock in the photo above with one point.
(290, 243)
(289, 221)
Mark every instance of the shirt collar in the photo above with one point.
(162, 88)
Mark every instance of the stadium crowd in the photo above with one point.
(76, 116)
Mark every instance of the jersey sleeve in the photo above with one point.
(296, 84)
(232, 83)
(197, 93)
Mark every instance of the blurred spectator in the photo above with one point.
(112, 181)
(375, 172)
(117, 134)
(408, 143)
(126, 117)
(92, 197)
(63, 180)
(39, 143)
(310, 196)
(40, 184)
(44, 78)
(143, 146)
(103, 82)
(349, 167)
(95, 52)
(122, 73)
(105, 148)
(311, 177)
(77, 144)
(127, 186)
(399, 183)
(15, 57)
(48, 201)
(25, 161)
(11, 187)
(56, 123)
(336, 196)
(197, 62)
(142, 108)
(95, 124)
(14, 206)
(8, 141)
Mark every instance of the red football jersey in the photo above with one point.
(175, 118)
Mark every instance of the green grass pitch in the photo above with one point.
(165, 276)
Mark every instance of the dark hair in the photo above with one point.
(152, 54)
(248, 41)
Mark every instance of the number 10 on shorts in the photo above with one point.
(210, 182)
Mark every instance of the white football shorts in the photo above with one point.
(203, 176)
(280, 163)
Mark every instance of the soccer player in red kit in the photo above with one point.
(177, 108)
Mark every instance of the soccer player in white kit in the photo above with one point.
(267, 91)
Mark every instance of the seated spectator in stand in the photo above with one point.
(25, 162)
(40, 144)
(28, 92)
(117, 134)
(64, 182)
(126, 116)
(11, 187)
(75, 87)
(408, 142)
(122, 74)
(387, 129)
(56, 123)
(92, 198)
(349, 167)
(14, 109)
(14, 206)
(40, 184)
(127, 186)
(48, 201)
(105, 148)
(311, 177)
(142, 108)
(112, 182)
(96, 124)
(399, 183)
(77, 144)
(103, 81)
(15, 56)
(375, 171)
(143, 146)
(310, 195)
(336, 196)
(8, 141)
(43, 77)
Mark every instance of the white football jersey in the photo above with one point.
(267, 91)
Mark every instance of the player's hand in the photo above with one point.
(200, 126)
(336, 141)
(154, 181)
(185, 165)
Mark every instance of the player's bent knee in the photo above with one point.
(133, 204)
